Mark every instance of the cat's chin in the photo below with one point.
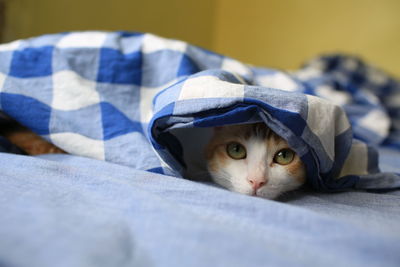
(268, 193)
(264, 192)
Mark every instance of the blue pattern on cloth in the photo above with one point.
(119, 96)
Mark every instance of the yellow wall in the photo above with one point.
(190, 20)
(283, 33)
(275, 33)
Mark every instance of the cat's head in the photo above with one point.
(251, 159)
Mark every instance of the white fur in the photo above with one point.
(258, 164)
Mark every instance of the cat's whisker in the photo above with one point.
(224, 179)
(243, 155)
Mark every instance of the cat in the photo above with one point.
(28, 141)
(251, 159)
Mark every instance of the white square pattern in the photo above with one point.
(355, 163)
(77, 144)
(279, 81)
(10, 46)
(71, 91)
(152, 43)
(326, 121)
(2, 80)
(235, 66)
(210, 87)
(82, 39)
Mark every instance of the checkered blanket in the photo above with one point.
(128, 97)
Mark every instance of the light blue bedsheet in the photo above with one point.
(62, 210)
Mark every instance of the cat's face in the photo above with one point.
(251, 159)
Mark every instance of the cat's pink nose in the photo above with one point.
(257, 183)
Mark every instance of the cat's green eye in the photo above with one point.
(236, 150)
(284, 156)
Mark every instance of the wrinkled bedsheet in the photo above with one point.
(72, 211)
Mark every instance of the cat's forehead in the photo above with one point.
(244, 130)
(248, 131)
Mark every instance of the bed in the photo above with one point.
(119, 198)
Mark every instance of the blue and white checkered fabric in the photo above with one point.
(119, 96)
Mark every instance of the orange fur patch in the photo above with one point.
(30, 142)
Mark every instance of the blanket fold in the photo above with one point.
(116, 96)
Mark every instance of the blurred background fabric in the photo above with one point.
(273, 33)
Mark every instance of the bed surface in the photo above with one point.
(63, 210)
